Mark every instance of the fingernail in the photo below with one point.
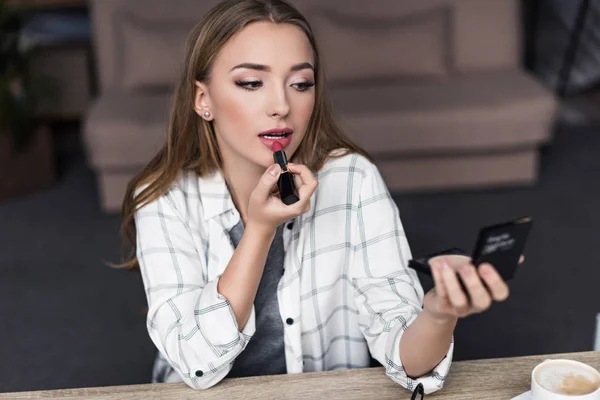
(273, 169)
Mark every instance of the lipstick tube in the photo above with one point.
(285, 184)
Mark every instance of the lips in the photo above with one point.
(283, 136)
(276, 133)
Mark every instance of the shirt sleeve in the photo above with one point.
(191, 324)
(388, 294)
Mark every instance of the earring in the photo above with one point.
(206, 114)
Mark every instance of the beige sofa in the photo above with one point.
(433, 89)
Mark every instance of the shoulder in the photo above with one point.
(181, 194)
(351, 167)
(347, 176)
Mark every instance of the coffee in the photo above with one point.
(566, 378)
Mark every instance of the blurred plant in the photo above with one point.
(17, 97)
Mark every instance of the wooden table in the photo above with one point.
(501, 378)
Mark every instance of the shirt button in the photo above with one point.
(289, 321)
(290, 225)
(199, 373)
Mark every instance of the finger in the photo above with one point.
(266, 182)
(297, 181)
(305, 181)
(306, 208)
(457, 297)
(274, 188)
(480, 298)
(521, 259)
(302, 206)
(498, 288)
(297, 178)
(302, 172)
(305, 192)
(306, 185)
(437, 279)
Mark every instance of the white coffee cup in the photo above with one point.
(565, 380)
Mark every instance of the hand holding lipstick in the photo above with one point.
(266, 210)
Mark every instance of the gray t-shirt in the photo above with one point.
(264, 354)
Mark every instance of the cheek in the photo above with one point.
(235, 112)
(303, 109)
(308, 106)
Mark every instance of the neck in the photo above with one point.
(241, 179)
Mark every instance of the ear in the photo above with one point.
(202, 101)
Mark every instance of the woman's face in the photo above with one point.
(262, 79)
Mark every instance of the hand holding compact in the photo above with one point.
(447, 300)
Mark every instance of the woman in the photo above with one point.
(239, 283)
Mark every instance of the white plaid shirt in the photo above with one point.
(346, 291)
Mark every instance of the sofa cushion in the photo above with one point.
(126, 129)
(478, 111)
(362, 47)
(151, 53)
(108, 16)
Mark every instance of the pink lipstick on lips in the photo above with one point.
(281, 135)
(285, 183)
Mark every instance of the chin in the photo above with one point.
(266, 164)
(264, 161)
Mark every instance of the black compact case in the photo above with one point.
(500, 245)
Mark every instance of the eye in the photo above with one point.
(303, 86)
(249, 85)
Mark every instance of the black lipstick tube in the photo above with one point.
(285, 183)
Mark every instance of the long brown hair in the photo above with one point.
(191, 142)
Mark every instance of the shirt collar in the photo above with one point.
(214, 195)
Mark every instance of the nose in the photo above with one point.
(279, 106)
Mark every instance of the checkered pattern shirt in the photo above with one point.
(346, 291)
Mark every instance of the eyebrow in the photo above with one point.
(260, 67)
